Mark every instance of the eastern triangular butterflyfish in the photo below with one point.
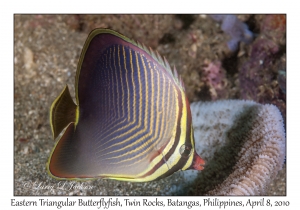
(131, 120)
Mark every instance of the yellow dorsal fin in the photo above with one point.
(63, 111)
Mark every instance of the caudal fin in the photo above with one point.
(62, 112)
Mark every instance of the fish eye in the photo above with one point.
(185, 150)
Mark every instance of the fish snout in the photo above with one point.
(198, 163)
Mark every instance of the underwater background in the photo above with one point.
(228, 57)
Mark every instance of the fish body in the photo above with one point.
(131, 120)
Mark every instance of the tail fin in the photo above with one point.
(62, 112)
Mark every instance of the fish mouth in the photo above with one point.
(198, 163)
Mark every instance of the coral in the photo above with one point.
(282, 80)
(215, 78)
(237, 30)
(243, 143)
(258, 74)
(255, 72)
(274, 27)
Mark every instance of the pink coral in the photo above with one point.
(215, 78)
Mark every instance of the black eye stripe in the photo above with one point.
(185, 150)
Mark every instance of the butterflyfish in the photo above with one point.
(131, 120)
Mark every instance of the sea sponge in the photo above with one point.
(243, 143)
